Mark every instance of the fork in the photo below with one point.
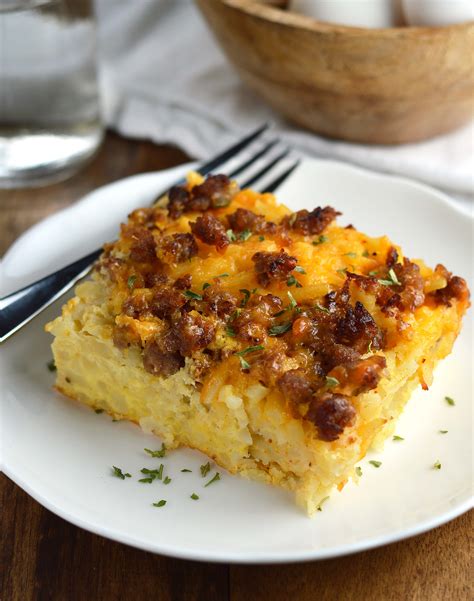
(253, 161)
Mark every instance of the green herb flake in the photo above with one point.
(342, 271)
(161, 503)
(131, 281)
(160, 453)
(261, 238)
(243, 363)
(167, 480)
(359, 471)
(320, 240)
(186, 471)
(231, 236)
(98, 411)
(291, 298)
(51, 365)
(229, 330)
(321, 308)
(437, 465)
(194, 497)
(280, 329)
(375, 463)
(351, 254)
(147, 480)
(320, 506)
(117, 472)
(245, 235)
(222, 275)
(365, 253)
(246, 294)
(215, 478)
(292, 281)
(193, 295)
(449, 400)
(331, 382)
(250, 349)
(206, 285)
(205, 469)
(443, 431)
(393, 277)
(373, 273)
(397, 438)
(299, 269)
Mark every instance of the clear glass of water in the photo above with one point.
(50, 122)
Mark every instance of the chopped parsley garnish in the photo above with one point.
(280, 329)
(161, 503)
(373, 272)
(243, 363)
(437, 465)
(261, 238)
(98, 411)
(193, 295)
(321, 308)
(397, 438)
(331, 382)
(392, 281)
(292, 281)
(299, 269)
(119, 474)
(359, 471)
(319, 240)
(291, 298)
(449, 400)
(160, 453)
(250, 349)
(365, 253)
(131, 281)
(51, 365)
(153, 474)
(205, 469)
(231, 236)
(342, 271)
(375, 463)
(215, 478)
(351, 254)
(205, 285)
(167, 480)
(229, 330)
(147, 480)
(320, 506)
(186, 471)
(245, 235)
(222, 275)
(443, 431)
(246, 294)
(194, 496)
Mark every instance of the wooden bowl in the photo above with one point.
(381, 86)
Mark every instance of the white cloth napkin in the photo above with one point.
(165, 78)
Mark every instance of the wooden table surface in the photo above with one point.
(43, 557)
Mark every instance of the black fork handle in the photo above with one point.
(19, 307)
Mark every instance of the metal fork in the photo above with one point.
(253, 161)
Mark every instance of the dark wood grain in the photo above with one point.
(44, 558)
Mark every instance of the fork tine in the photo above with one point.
(232, 151)
(272, 186)
(253, 158)
(264, 170)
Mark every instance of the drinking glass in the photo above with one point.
(50, 121)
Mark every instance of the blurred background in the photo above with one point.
(386, 84)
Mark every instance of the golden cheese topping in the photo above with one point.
(235, 281)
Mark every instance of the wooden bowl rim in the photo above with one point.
(266, 12)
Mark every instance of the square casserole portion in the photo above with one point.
(280, 344)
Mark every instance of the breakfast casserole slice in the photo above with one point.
(280, 344)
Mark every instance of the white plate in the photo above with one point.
(61, 452)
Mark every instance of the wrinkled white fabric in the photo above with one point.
(164, 78)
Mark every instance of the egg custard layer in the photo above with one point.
(280, 344)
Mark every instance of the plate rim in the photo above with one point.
(246, 557)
